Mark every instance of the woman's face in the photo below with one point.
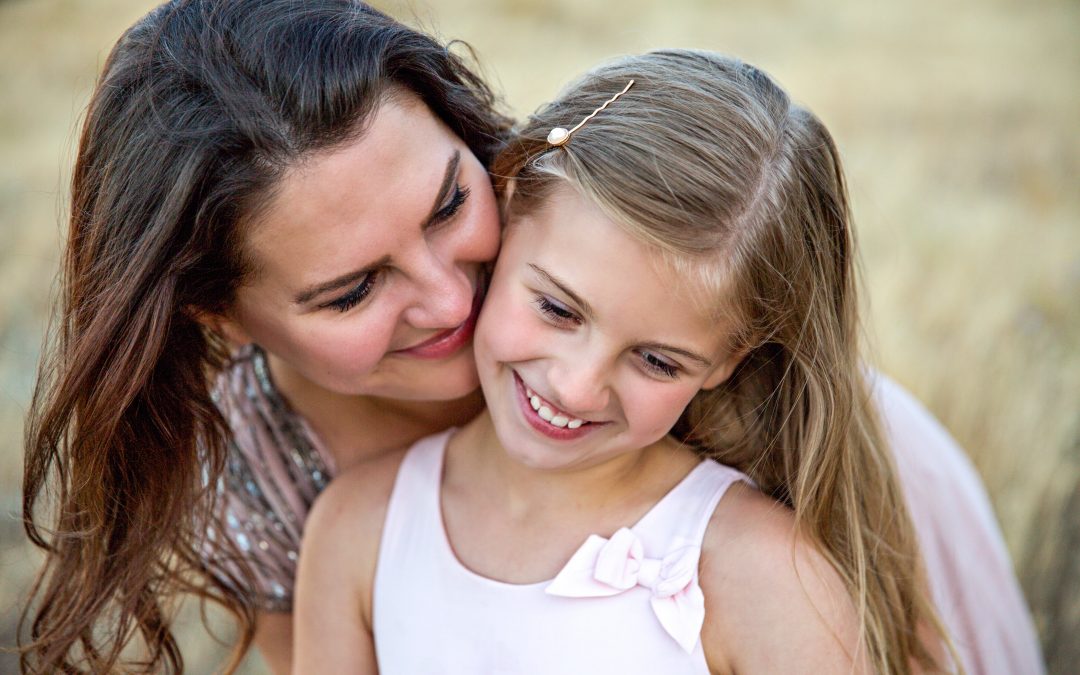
(369, 262)
(589, 346)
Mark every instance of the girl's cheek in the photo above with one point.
(658, 408)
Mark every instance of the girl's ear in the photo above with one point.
(725, 369)
(224, 326)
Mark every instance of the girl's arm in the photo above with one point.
(332, 607)
(772, 601)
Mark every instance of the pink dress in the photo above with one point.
(628, 603)
(971, 574)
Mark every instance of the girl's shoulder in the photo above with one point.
(353, 506)
(772, 597)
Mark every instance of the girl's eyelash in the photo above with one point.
(461, 194)
(659, 366)
(555, 311)
(558, 313)
(356, 295)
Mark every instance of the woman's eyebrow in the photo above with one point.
(348, 278)
(340, 282)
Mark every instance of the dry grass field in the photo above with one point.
(960, 125)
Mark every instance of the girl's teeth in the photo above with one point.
(548, 415)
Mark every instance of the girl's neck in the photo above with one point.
(354, 428)
(479, 458)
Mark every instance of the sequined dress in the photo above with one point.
(276, 468)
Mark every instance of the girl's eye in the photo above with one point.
(659, 366)
(457, 200)
(356, 295)
(558, 313)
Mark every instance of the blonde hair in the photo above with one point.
(708, 160)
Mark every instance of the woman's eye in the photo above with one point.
(555, 311)
(457, 200)
(659, 366)
(355, 296)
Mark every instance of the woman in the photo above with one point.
(304, 179)
(308, 177)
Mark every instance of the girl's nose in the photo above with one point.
(580, 386)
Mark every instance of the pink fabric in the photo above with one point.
(606, 567)
(628, 604)
(971, 575)
(276, 468)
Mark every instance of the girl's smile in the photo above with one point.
(549, 419)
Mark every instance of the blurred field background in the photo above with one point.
(960, 125)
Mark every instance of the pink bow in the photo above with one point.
(606, 567)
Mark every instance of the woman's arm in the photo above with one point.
(773, 604)
(332, 606)
(274, 640)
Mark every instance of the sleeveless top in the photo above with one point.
(276, 468)
(630, 603)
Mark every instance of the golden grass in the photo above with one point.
(960, 125)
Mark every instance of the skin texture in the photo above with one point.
(384, 202)
(517, 504)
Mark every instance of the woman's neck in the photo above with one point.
(354, 428)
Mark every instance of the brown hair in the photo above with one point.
(201, 107)
(706, 159)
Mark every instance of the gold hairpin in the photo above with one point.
(559, 136)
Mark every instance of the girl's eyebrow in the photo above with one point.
(349, 277)
(565, 288)
(588, 311)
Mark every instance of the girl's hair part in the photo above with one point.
(708, 161)
(202, 106)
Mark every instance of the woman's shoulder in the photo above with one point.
(771, 595)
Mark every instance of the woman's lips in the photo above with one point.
(541, 425)
(452, 340)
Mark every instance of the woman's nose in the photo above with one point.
(443, 294)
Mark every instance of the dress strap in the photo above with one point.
(413, 510)
(681, 517)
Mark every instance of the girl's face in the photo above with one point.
(588, 346)
(369, 262)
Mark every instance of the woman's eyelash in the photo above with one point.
(461, 194)
(555, 311)
(658, 365)
(356, 295)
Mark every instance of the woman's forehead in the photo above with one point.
(363, 195)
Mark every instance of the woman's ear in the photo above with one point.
(224, 326)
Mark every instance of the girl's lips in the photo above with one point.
(549, 430)
(450, 341)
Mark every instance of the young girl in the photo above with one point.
(679, 469)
